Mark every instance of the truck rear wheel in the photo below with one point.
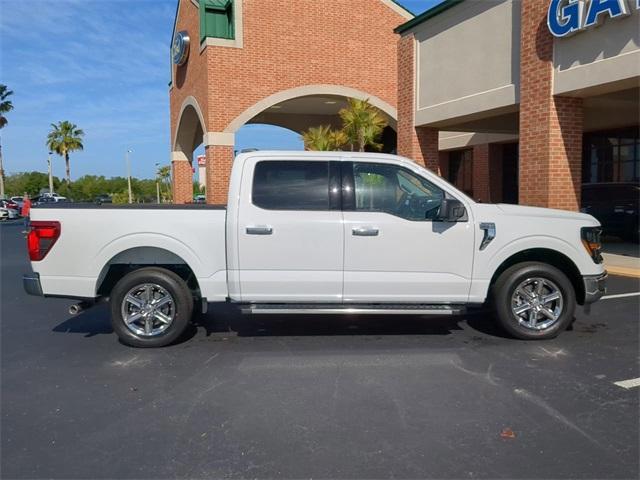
(534, 301)
(150, 307)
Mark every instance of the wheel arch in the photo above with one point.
(550, 257)
(135, 258)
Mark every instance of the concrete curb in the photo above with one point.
(624, 271)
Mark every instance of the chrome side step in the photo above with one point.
(355, 309)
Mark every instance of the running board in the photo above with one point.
(357, 309)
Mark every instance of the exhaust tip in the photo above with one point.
(79, 307)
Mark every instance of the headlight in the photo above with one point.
(591, 240)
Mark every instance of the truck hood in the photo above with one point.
(551, 213)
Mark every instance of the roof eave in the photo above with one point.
(423, 17)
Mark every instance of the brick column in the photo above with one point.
(420, 144)
(182, 181)
(550, 127)
(219, 163)
(481, 191)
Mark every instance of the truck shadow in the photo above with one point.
(95, 321)
(227, 319)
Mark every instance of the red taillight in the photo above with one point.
(42, 236)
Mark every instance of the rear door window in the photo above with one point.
(291, 185)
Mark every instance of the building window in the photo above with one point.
(216, 19)
(612, 156)
(461, 170)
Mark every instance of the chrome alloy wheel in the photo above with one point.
(537, 303)
(148, 309)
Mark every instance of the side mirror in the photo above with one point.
(451, 210)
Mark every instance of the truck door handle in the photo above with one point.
(259, 230)
(365, 231)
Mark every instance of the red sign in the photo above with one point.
(202, 160)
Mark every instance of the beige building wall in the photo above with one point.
(468, 61)
(600, 58)
(456, 140)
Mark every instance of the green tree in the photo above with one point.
(5, 107)
(29, 182)
(323, 138)
(164, 175)
(362, 124)
(65, 137)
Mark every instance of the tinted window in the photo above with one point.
(395, 190)
(283, 185)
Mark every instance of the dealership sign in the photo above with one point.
(566, 17)
(180, 48)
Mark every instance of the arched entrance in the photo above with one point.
(296, 109)
(188, 136)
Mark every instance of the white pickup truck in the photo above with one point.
(319, 232)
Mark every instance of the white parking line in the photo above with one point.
(631, 383)
(621, 295)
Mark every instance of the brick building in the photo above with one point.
(522, 101)
(512, 101)
(281, 62)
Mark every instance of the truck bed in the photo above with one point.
(94, 237)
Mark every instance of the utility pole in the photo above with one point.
(50, 174)
(157, 183)
(126, 155)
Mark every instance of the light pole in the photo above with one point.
(157, 183)
(50, 174)
(126, 156)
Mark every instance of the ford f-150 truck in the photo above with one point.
(319, 232)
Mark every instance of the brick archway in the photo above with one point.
(309, 91)
(257, 56)
(187, 137)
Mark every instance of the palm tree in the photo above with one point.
(65, 137)
(322, 138)
(164, 174)
(362, 124)
(5, 107)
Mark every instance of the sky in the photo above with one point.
(103, 65)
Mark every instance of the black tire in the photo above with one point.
(181, 306)
(512, 278)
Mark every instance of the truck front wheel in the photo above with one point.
(534, 300)
(150, 307)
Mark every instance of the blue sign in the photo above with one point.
(180, 48)
(566, 17)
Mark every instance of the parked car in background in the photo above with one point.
(4, 214)
(11, 207)
(9, 204)
(42, 199)
(616, 206)
(18, 201)
(104, 198)
(200, 199)
(54, 195)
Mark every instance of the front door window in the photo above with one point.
(395, 190)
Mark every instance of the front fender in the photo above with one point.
(569, 250)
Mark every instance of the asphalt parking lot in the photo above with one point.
(314, 397)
